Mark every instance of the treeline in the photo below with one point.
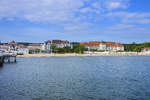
(136, 47)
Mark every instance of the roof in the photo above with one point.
(57, 41)
(91, 43)
(12, 41)
(97, 43)
(34, 44)
(113, 44)
(22, 46)
(147, 48)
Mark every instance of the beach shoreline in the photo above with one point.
(84, 55)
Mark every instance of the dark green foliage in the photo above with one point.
(30, 51)
(67, 50)
(119, 51)
(37, 51)
(101, 50)
(80, 49)
(75, 45)
(93, 50)
(136, 47)
(43, 51)
(53, 47)
(60, 50)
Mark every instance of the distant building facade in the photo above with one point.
(35, 48)
(58, 43)
(14, 47)
(105, 46)
(146, 49)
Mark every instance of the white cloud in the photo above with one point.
(137, 21)
(77, 26)
(129, 14)
(114, 5)
(40, 10)
(89, 10)
(53, 11)
(122, 26)
(131, 17)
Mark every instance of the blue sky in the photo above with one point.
(123, 21)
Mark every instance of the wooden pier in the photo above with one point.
(7, 57)
(1, 60)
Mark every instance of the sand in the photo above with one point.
(92, 54)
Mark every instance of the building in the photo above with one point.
(146, 49)
(22, 49)
(35, 48)
(104, 46)
(14, 48)
(58, 43)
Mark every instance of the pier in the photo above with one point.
(7, 57)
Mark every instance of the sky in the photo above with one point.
(123, 21)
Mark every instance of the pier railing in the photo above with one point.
(6, 57)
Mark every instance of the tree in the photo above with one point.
(37, 51)
(53, 47)
(93, 50)
(30, 51)
(67, 49)
(80, 49)
(60, 50)
(136, 47)
(75, 45)
(43, 51)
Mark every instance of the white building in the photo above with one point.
(35, 47)
(58, 43)
(22, 50)
(104, 46)
(147, 49)
(14, 47)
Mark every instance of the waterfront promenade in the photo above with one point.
(88, 54)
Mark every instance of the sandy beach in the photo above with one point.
(92, 54)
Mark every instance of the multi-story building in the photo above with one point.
(105, 46)
(14, 47)
(58, 43)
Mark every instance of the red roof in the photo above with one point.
(96, 43)
(91, 43)
(12, 41)
(147, 48)
(113, 44)
(22, 46)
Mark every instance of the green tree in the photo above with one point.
(93, 50)
(43, 51)
(30, 51)
(67, 49)
(80, 49)
(37, 51)
(60, 50)
(75, 45)
(76, 50)
(136, 47)
(53, 47)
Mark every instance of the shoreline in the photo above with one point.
(84, 55)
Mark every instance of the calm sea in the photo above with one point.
(76, 78)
